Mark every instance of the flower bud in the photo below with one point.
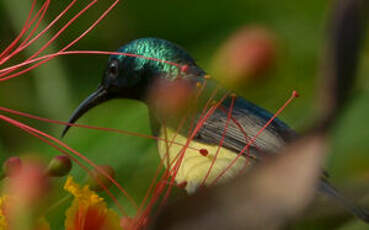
(98, 181)
(29, 185)
(59, 166)
(12, 166)
(246, 56)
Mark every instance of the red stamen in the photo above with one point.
(83, 52)
(221, 140)
(209, 101)
(18, 124)
(177, 162)
(27, 130)
(23, 31)
(57, 35)
(293, 96)
(160, 185)
(149, 191)
(247, 138)
(42, 11)
(189, 139)
(47, 58)
(21, 48)
(63, 29)
(87, 126)
(93, 25)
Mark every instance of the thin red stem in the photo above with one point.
(159, 187)
(23, 31)
(42, 11)
(92, 26)
(52, 40)
(85, 126)
(293, 96)
(64, 28)
(48, 57)
(43, 31)
(189, 139)
(129, 198)
(229, 115)
(97, 52)
(247, 138)
(30, 131)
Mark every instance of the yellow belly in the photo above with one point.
(194, 166)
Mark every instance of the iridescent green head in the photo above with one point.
(131, 74)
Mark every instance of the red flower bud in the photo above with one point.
(12, 166)
(248, 54)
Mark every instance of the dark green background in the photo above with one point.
(200, 27)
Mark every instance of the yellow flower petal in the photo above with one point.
(3, 219)
(88, 211)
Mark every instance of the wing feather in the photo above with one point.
(247, 120)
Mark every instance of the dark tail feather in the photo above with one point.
(326, 187)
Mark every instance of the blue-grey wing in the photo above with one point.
(247, 120)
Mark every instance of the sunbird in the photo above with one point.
(156, 66)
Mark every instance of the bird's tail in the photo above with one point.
(327, 188)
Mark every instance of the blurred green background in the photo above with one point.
(201, 27)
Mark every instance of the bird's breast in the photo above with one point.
(197, 163)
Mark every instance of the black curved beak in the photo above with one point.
(96, 98)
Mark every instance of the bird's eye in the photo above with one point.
(113, 69)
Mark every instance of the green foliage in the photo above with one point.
(200, 27)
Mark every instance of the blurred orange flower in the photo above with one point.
(7, 201)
